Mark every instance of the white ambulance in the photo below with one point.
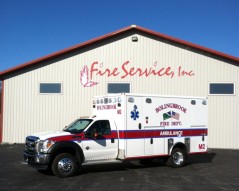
(124, 127)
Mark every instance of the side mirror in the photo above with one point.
(87, 135)
(91, 135)
(97, 135)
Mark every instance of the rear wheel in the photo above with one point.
(64, 165)
(177, 158)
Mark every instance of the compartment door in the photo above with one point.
(149, 141)
(153, 142)
(134, 133)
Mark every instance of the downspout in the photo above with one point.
(1, 112)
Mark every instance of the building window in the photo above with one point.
(221, 88)
(50, 88)
(118, 88)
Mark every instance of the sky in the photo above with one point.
(30, 29)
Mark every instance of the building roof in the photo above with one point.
(193, 46)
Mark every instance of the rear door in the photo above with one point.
(101, 141)
(134, 128)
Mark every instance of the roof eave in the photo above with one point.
(4, 73)
(190, 45)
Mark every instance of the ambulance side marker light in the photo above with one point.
(131, 100)
(193, 102)
(148, 100)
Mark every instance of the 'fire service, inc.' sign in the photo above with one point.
(125, 70)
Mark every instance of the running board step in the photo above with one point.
(101, 162)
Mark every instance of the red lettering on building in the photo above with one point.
(146, 72)
(125, 70)
(104, 72)
(182, 73)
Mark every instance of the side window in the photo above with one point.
(50, 88)
(101, 127)
(225, 88)
(118, 88)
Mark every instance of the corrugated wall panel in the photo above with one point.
(26, 111)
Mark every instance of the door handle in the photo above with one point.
(151, 141)
(140, 126)
(112, 140)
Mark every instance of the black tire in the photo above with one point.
(64, 165)
(177, 158)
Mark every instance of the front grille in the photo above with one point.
(31, 144)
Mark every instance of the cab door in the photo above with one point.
(101, 141)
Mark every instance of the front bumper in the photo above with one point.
(38, 161)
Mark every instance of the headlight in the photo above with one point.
(45, 145)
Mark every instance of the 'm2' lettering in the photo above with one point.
(201, 146)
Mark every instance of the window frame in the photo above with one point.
(222, 94)
(128, 83)
(39, 88)
(94, 125)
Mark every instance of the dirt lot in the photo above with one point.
(214, 171)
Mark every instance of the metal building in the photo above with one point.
(50, 92)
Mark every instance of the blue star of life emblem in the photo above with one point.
(134, 113)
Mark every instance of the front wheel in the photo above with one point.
(177, 158)
(64, 165)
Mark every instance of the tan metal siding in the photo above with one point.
(27, 112)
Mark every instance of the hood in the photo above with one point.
(51, 134)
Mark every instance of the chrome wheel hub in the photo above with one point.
(65, 165)
(178, 158)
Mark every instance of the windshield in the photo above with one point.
(78, 126)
